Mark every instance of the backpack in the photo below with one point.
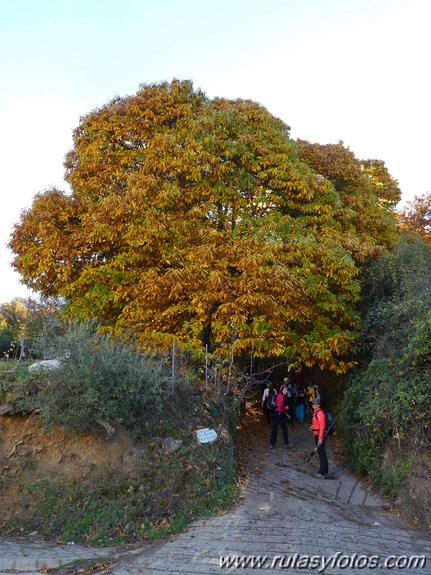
(330, 425)
(271, 403)
(329, 421)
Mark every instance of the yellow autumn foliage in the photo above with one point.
(201, 221)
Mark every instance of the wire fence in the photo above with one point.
(240, 378)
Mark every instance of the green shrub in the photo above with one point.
(387, 398)
(159, 492)
(98, 378)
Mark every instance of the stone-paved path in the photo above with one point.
(35, 557)
(285, 516)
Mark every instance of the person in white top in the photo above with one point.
(268, 389)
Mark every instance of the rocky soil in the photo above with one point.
(29, 454)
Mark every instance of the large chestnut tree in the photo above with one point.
(198, 220)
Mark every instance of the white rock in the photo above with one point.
(44, 364)
(206, 435)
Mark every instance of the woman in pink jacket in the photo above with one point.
(279, 418)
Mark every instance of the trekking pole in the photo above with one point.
(314, 451)
(334, 419)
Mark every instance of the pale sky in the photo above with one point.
(350, 70)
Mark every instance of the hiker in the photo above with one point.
(318, 423)
(269, 390)
(290, 401)
(297, 377)
(299, 404)
(279, 418)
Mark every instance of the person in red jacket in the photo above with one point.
(318, 424)
(279, 418)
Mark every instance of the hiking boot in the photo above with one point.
(271, 446)
(320, 476)
(288, 445)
